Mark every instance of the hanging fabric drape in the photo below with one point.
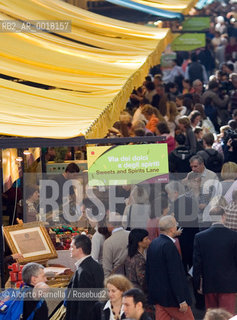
(92, 79)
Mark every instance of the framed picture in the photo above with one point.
(31, 240)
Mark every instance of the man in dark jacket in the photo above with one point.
(179, 158)
(213, 160)
(166, 280)
(88, 276)
(160, 99)
(233, 93)
(207, 58)
(195, 70)
(215, 263)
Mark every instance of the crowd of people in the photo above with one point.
(197, 96)
(194, 107)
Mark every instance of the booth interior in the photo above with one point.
(50, 195)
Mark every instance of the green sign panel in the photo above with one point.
(189, 42)
(129, 164)
(196, 24)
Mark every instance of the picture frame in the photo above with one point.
(31, 240)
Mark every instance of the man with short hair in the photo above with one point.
(197, 165)
(166, 280)
(60, 193)
(198, 87)
(134, 302)
(88, 276)
(215, 263)
(115, 247)
(213, 159)
(71, 172)
(213, 88)
(209, 186)
(34, 277)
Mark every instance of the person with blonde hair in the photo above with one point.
(218, 145)
(229, 171)
(124, 125)
(112, 309)
(139, 129)
(217, 314)
(185, 122)
(228, 175)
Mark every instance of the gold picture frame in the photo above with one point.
(31, 240)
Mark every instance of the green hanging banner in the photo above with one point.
(196, 24)
(189, 42)
(128, 164)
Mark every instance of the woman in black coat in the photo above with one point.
(190, 139)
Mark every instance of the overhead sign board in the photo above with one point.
(196, 24)
(127, 164)
(189, 42)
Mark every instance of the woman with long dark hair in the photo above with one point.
(194, 118)
(135, 263)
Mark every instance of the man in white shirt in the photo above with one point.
(210, 185)
(89, 275)
(174, 72)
